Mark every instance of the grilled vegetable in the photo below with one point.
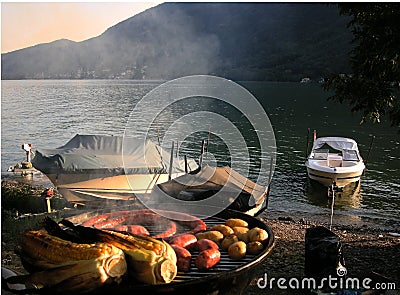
(229, 240)
(235, 222)
(241, 233)
(149, 260)
(254, 248)
(257, 235)
(237, 250)
(212, 235)
(224, 229)
(54, 262)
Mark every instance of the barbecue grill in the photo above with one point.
(227, 277)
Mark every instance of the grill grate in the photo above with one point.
(225, 264)
(226, 275)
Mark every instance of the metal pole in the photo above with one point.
(171, 161)
(202, 152)
(308, 140)
(208, 139)
(186, 164)
(48, 205)
(369, 150)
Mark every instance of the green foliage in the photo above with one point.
(372, 88)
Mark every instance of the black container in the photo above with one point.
(323, 253)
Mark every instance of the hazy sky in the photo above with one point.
(24, 24)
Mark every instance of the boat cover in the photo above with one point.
(210, 180)
(338, 143)
(103, 154)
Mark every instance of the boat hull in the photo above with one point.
(329, 178)
(82, 188)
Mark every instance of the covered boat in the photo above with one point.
(340, 167)
(235, 191)
(93, 167)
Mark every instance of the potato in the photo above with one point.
(234, 222)
(212, 235)
(257, 235)
(229, 240)
(241, 233)
(237, 250)
(254, 248)
(224, 229)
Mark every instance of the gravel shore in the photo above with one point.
(367, 251)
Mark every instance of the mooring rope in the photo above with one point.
(333, 202)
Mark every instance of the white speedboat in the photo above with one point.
(340, 167)
(96, 167)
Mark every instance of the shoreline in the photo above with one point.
(366, 250)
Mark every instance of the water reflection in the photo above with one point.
(317, 194)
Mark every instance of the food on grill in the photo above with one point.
(133, 229)
(229, 240)
(212, 235)
(237, 250)
(207, 259)
(206, 244)
(254, 248)
(132, 219)
(224, 229)
(149, 260)
(257, 234)
(241, 233)
(236, 222)
(183, 258)
(66, 266)
(183, 240)
(161, 219)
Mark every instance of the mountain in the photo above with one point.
(240, 41)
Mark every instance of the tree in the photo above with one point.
(373, 86)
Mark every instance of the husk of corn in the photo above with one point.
(150, 261)
(62, 265)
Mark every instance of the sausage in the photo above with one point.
(171, 230)
(109, 223)
(132, 219)
(96, 219)
(183, 257)
(207, 259)
(205, 244)
(187, 241)
(133, 229)
(147, 216)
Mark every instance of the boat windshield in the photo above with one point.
(321, 154)
(350, 155)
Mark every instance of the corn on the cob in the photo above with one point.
(42, 246)
(149, 260)
(56, 262)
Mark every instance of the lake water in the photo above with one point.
(48, 113)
